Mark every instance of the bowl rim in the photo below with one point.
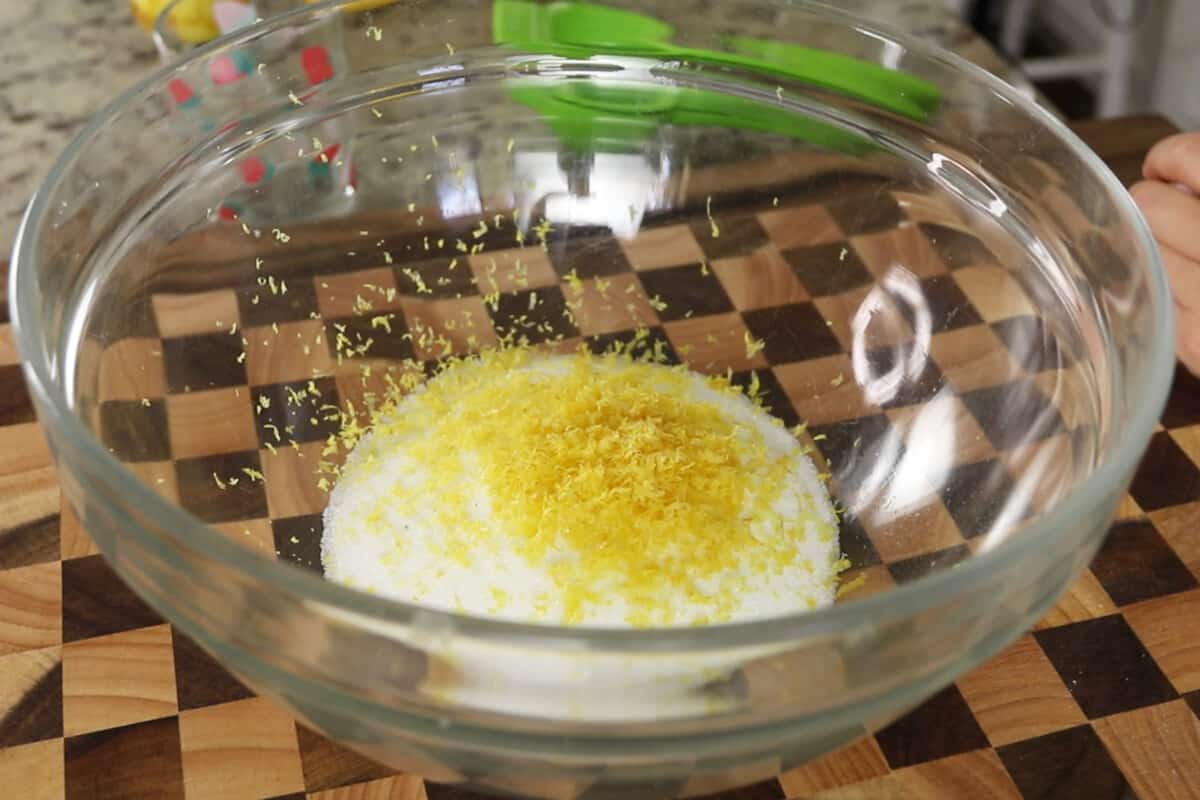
(186, 531)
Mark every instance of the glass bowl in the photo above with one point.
(938, 278)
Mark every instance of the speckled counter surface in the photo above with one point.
(63, 60)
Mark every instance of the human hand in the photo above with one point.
(1169, 198)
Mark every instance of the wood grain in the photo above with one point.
(74, 541)
(242, 749)
(290, 477)
(397, 787)
(1166, 626)
(37, 768)
(1157, 748)
(1085, 599)
(1018, 695)
(8, 345)
(116, 680)
(210, 422)
(859, 761)
(30, 607)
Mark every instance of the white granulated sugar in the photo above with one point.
(399, 550)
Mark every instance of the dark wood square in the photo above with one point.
(1136, 563)
(199, 680)
(589, 252)
(737, 234)
(15, 405)
(125, 316)
(690, 291)
(827, 269)
(770, 392)
(298, 540)
(1105, 666)
(1183, 403)
(851, 447)
(434, 279)
(910, 569)
(357, 337)
(1166, 476)
(96, 602)
(545, 322)
(977, 494)
(654, 341)
(949, 309)
(855, 543)
(941, 726)
(200, 493)
(956, 248)
(135, 431)
(203, 362)
(293, 305)
(908, 391)
(328, 765)
(38, 714)
(1065, 765)
(866, 213)
(295, 412)
(1013, 414)
(142, 761)
(795, 332)
(1032, 344)
(1193, 701)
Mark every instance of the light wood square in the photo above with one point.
(37, 768)
(824, 390)
(858, 761)
(210, 422)
(131, 369)
(1018, 695)
(714, 344)
(115, 680)
(762, 279)
(1157, 748)
(298, 351)
(800, 226)
(290, 475)
(669, 246)
(247, 748)
(609, 305)
(195, 313)
(901, 248)
(994, 292)
(364, 292)
(973, 358)
(1166, 626)
(30, 607)
(441, 328)
(513, 270)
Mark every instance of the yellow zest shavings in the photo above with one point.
(605, 470)
(714, 230)
(753, 346)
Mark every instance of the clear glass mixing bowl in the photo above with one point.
(947, 286)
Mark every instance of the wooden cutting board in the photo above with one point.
(100, 698)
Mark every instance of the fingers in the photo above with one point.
(1174, 216)
(1187, 339)
(1183, 274)
(1175, 159)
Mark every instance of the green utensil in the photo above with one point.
(584, 112)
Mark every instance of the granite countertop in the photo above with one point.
(63, 60)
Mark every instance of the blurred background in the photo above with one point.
(62, 60)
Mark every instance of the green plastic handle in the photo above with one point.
(575, 29)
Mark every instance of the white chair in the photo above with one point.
(1112, 64)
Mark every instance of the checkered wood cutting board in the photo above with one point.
(100, 698)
